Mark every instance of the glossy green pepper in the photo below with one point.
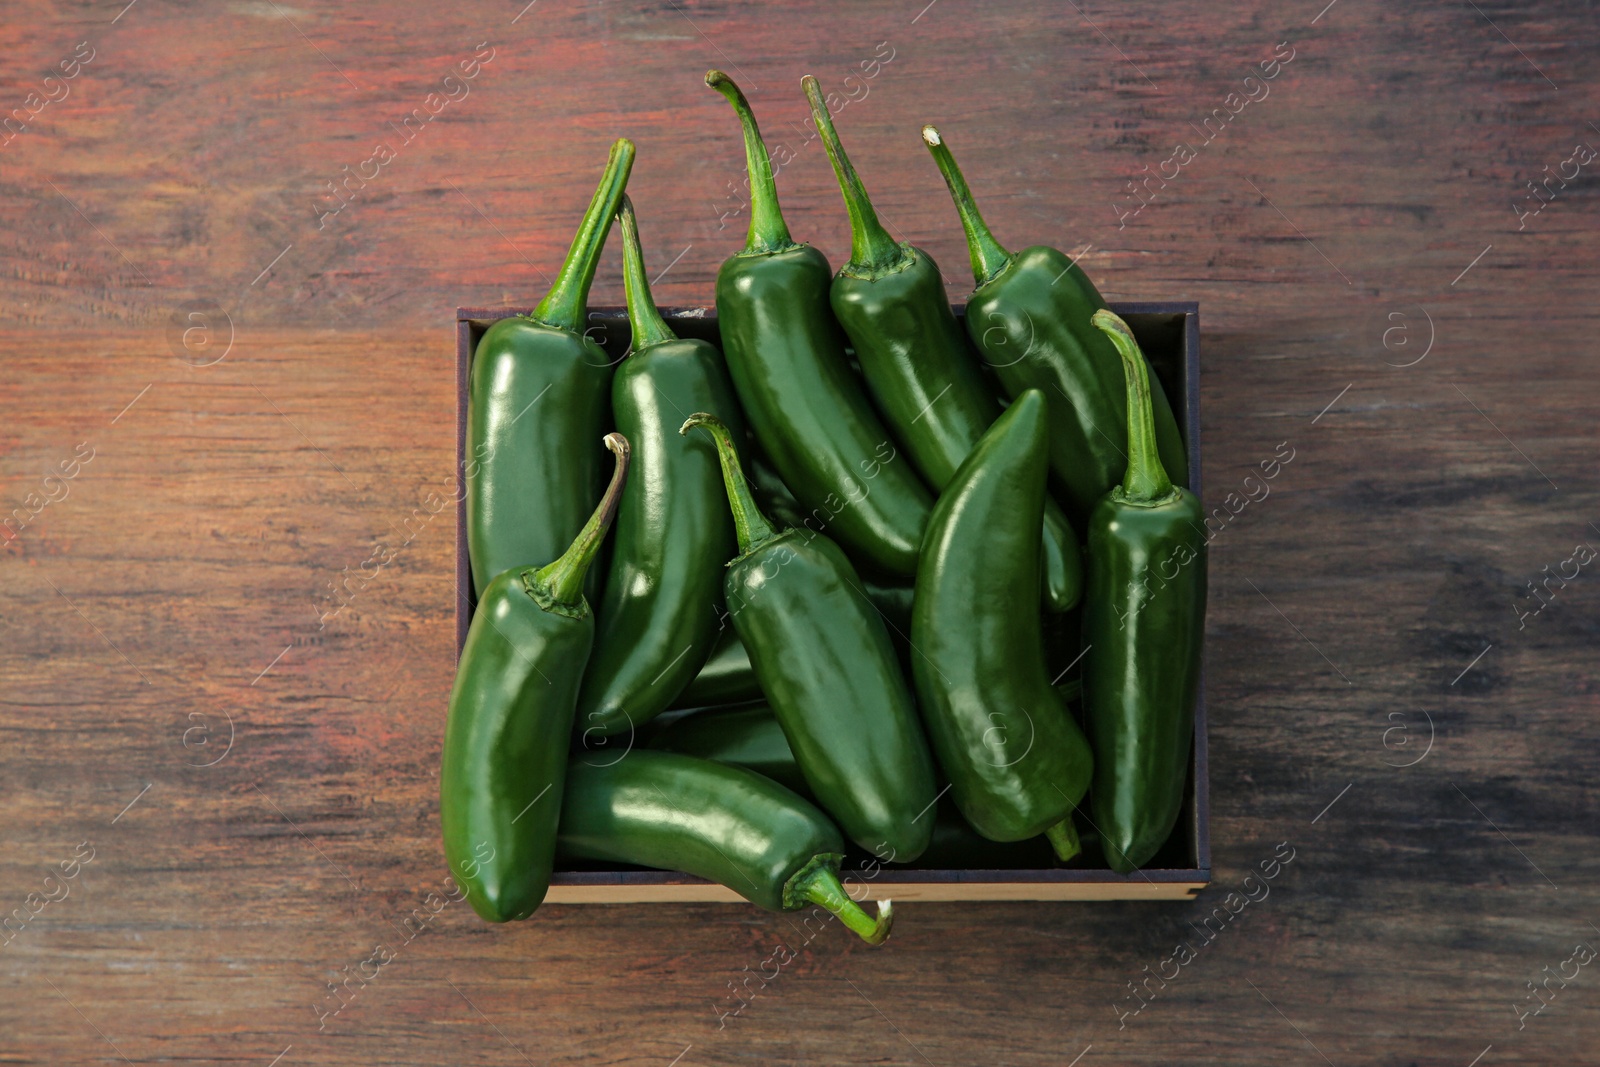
(1017, 761)
(751, 737)
(1143, 624)
(890, 299)
(505, 744)
(1029, 317)
(715, 821)
(807, 409)
(827, 667)
(538, 401)
(658, 617)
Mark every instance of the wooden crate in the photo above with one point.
(1169, 333)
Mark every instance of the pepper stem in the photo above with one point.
(566, 305)
(988, 256)
(648, 327)
(871, 248)
(820, 885)
(1146, 480)
(768, 231)
(749, 524)
(1063, 837)
(562, 581)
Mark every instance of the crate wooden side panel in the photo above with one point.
(992, 886)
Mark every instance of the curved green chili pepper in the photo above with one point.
(786, 356)
(1143, 624)
(829, 670)
(1029, 317)
(890, 299)
(537, 402)
(658, 617)
(505, 744)
(1016, 759)
(751, 737)
(716, 821)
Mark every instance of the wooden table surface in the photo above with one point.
(226, 389)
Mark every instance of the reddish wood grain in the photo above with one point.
(174, 583)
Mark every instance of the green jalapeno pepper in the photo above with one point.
(808, 411)
(1017, 761)
(827, 667)
(751, 737)
(1029, 317)
(505, 743)
(890, 299)
(534, 472)
(1143, 624)
(658, 617)
(716, 821)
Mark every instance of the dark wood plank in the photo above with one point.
(176, 585)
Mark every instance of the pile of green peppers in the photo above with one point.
(818, 626)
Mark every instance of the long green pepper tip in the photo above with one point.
(644, 319)
(989, 257)
(819, 883)
(872, 250)
(1063, 838)
(751, 527)
(768, 231)
(566, 305)
(1146, 481)
(561, 582)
